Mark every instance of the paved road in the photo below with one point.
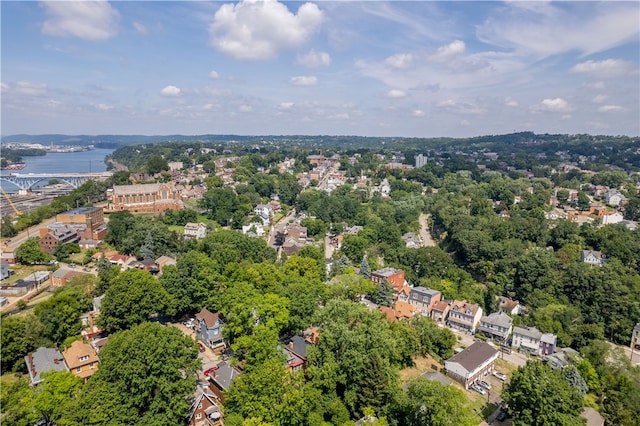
(17, 241)
(425, 235)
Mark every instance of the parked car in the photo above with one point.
(188, 323)
(484, 384)
(201, 347)
(478, 389)
(499, 375)
(210, 371)
(501, 416)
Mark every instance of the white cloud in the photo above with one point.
(285, 105)
(454, 106)
(605, 68)
(245, 108)
(253, 30)
(510, 102)
(88, 20)
(29, 88)
(418, 113)
(598, 99)
(140, 28)
(103, 107)
(610, 108)
(554, 105)
(314, 59)
(558, 29)
(213, 75)
(395, 93)
(304, 80)
(208, 107)
(170, 91)
(400, 61)
(4, 86)
(452, 49)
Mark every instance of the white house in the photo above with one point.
(610, 219)
(471, 364)
(533, 341)
(593, 258)
(195, 231)
(263, 211)
(464, 315)
(613, 197)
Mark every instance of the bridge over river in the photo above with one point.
(26, 181)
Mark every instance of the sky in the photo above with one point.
(370, 68)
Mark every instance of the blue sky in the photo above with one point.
(371, 68)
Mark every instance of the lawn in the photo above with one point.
(422, 365)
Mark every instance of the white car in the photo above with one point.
(478, 389)
(484, 384)
(499, 375)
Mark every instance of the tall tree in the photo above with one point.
(133, 296)
(384, 294)
(538, 395)
(365, 269)
(147, 375)
(29, 252)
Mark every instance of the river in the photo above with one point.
(62, 162)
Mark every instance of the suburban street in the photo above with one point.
(425, 234)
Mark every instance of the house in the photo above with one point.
(424, 298)
(612, 218)
(81, 359)
(471, 364)
(526, 339)
(195, 231)
(593, 257)
(440, 311)
(592, 416)
(548, 342)
(254, 230)
(27, 284)
(298, 346)
(510, 306)
(294, 361)
(635, 337)
(209, 328)
(42, 360)
(464, 316)
(613, 197)
(53, 236)
(221, 378)
(294, 238)
(264, 212)
(395, 277)
(62, 276)
(562, 359)
(8, 254)
(163, 261)
(496, 325)
(411, 240)
(204, 410)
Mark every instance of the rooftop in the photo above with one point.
(474, 356)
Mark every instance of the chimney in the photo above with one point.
(33, 366)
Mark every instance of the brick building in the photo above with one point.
(152, 197)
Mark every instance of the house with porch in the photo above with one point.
(464, 316)
(496, 325)
(204, 410)
(209, 328)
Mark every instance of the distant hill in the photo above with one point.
(115, 141)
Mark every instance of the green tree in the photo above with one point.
(64, 251)
(384, 294)
(156, 164)
(146, 377)
(16, 399)
(427, 402)
(132, 297)
(29, 252)
(106, 272)
(538, 395)
(19, 335)
(60, 314)
(365, 269)
(55, 398)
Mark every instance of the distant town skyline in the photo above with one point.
(371, 68)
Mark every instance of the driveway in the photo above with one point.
(208, 357)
